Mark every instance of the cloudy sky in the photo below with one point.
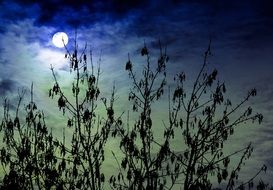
(242, 47)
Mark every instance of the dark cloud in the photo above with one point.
(80, 12)
(264, 8)
(157, 18)
(7, 86)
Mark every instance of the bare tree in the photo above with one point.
(32, 158)
(146, 163)
(205, 118)
(28, 155)
(207, 121)
(90, 130)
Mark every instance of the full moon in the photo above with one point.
(60, 39)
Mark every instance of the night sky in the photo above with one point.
(242, 48)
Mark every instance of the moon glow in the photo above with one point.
(60, 39)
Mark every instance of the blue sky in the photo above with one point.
(242, 45)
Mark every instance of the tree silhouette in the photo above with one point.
(90, 130)
(28, 156)
(36, 160)
(140, 168)
(202, 118)
(209, 120)
(205, 119)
